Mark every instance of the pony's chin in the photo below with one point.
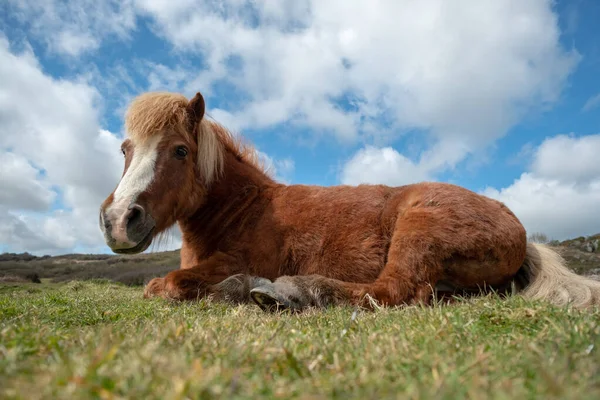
(138, 248)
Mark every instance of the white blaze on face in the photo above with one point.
(136, 180)
(140, 173)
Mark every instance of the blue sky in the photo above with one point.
(499, 96)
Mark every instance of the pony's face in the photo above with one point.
(160, 182)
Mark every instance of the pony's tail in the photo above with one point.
(544, 276)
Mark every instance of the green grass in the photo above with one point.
(102, 340)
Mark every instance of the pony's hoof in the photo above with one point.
(269, 300)
(236, 289)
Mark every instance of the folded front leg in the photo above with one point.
(196, 282)
(184, 286)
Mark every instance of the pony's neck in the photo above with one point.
(238, 195)
(238, 176)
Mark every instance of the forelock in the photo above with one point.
(153, 113)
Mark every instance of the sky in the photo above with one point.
(499, 96)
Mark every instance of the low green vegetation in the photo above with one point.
(98, 339)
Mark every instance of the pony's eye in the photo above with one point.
(181, 152)
(123, 151)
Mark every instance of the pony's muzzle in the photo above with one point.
(127, 229)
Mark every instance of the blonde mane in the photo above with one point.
(156, 113)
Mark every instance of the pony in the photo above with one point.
(248, 238)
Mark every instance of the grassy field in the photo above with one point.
(102, 340)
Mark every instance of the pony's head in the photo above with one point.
(171, 156)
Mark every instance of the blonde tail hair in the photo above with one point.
(547, 278)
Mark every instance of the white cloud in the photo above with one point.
(53, 233)
(567, 158)
(464, 74)
(381, 166)
(16, 234)
(561, 193)
(72, 28)
(22, 187)
(387, 166)
(53, 125)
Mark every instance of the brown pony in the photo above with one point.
(247, 237)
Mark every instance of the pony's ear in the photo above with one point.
(196, 108)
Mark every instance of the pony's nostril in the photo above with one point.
(104, 222)
(135, 215)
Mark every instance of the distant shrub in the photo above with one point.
(538, 237)
(33, 277)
